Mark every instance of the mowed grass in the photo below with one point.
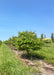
(46, 53)
(9, 65)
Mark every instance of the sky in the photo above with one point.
(22, 15)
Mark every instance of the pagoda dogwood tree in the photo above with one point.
(28, 41)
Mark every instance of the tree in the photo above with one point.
(42, 36)
(52, 37)
(11, 41)
(28, 41)
(14, 39)
(0, 42)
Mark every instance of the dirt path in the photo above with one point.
(43, 67)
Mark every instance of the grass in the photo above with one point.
(9, 65)
(46, 53)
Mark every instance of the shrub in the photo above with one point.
(47, 40)
(28, 41)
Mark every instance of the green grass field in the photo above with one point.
(46, 53)
(9, 65)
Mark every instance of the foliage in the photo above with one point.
(28, 41)
(47, 40)
(11, 41)
(6, 42)
(0, 42)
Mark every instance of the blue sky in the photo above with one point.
(21, 15)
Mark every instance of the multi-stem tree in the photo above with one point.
(28, 41)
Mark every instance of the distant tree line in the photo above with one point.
(0, 42)
(44, 36)
(28, 41)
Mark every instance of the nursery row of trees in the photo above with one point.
(28, 41)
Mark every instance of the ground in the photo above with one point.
(44, 65)
(14, 62)
(10, 65)
(36, 63)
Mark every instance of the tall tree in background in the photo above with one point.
(52, 37)
(0, 42)
(42, 36)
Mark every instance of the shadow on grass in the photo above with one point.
(32, 56)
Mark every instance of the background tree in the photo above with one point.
(52, 37)
(0, 42)
(14, 39)
(42, 36)
(11, 41)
